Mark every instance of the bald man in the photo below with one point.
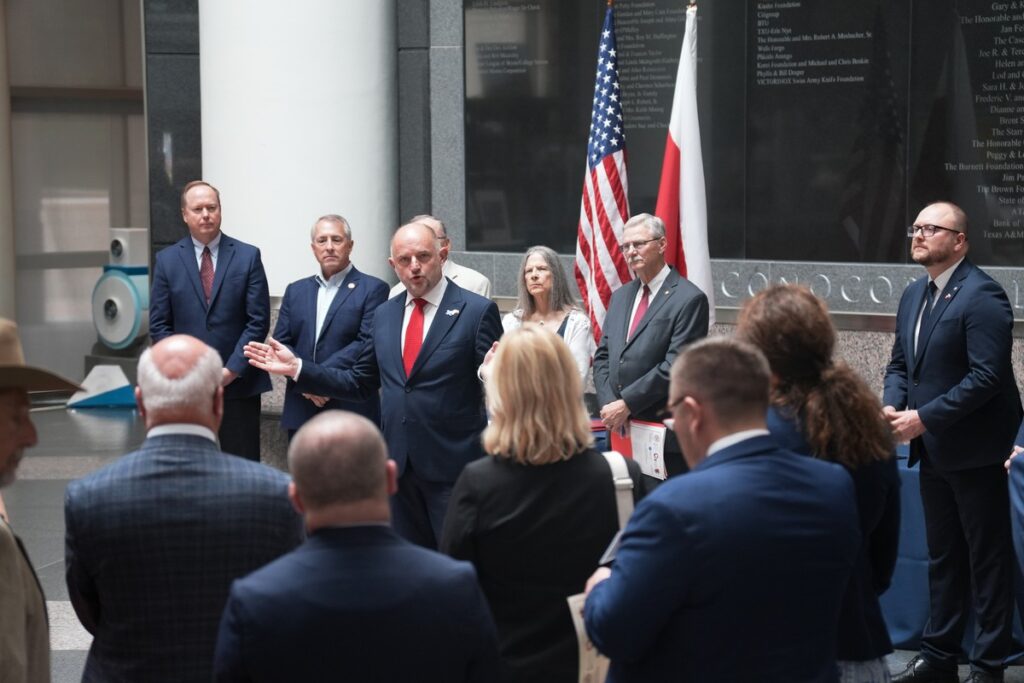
(155, 538)
(427, 346)
(464, 277)
(355, 597)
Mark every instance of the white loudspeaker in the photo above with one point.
(129, 247)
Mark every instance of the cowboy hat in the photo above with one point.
(14, 374)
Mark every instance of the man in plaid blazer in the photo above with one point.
(155, 539)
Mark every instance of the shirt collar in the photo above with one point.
(944, 277)
(336, 279)
(734, 439)
(182, 428)
(434, 296)
(213, 245)
(658, 280)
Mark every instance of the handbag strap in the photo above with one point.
(623, 485)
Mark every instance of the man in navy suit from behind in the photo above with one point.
(155, 539)
(950, 392)
(428, 345)
(213, 287)
(355, 602)
(736, 570)
(328, 318)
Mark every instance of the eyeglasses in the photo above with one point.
(927, 230)
(666, 413)
(636, 245)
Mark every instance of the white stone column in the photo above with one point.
(299, 120)
(8, 273)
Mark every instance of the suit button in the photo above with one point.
(403, 420)
(619, 386)
(916, 383)
(408, 390)
(209, 327)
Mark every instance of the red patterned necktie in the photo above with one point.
(206, 273)
(413, 336)
(640, 310)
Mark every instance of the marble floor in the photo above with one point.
(73, 443)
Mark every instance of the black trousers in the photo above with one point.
(970, 564)
(240, 430)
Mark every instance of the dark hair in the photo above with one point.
(840, 416)
(728, 375)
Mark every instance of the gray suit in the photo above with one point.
(154, 541)
(637, 370)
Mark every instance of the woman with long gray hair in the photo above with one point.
(545, 299)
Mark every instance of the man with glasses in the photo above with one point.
(464, 277)
(736, 571)
(950, 392)
(649, 321)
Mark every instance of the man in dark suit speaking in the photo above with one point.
(327, 319)
(213, 287)
(649, 321)
(155, 539)
(427, 347)
(357, 601)
(754, 545)
(950, 391)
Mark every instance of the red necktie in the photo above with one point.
(413, 336)
(640, 310)
(206, 273)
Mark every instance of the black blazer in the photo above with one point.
(863, 634)
(535, 534)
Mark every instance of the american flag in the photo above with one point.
(604, 209)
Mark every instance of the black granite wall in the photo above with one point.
(173, 123)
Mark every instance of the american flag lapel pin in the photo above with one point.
(452, 312)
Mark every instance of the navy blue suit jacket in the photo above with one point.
(358, 604)
(434, 417)
(960, 380)
(239, 309)
(1017, 507)
(732, 572)
(154, 541)
(346, 329)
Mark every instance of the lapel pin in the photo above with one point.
(351, 285)
(452, 312)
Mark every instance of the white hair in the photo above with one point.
(194, 390)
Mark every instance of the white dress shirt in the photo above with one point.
(940, 284)
(433, 298)
(186, 428)
(654, 286)
(325, 295)
(214, 246)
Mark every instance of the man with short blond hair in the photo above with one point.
(213, 287)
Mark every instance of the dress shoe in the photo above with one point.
(984, 677)
(920, 670)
